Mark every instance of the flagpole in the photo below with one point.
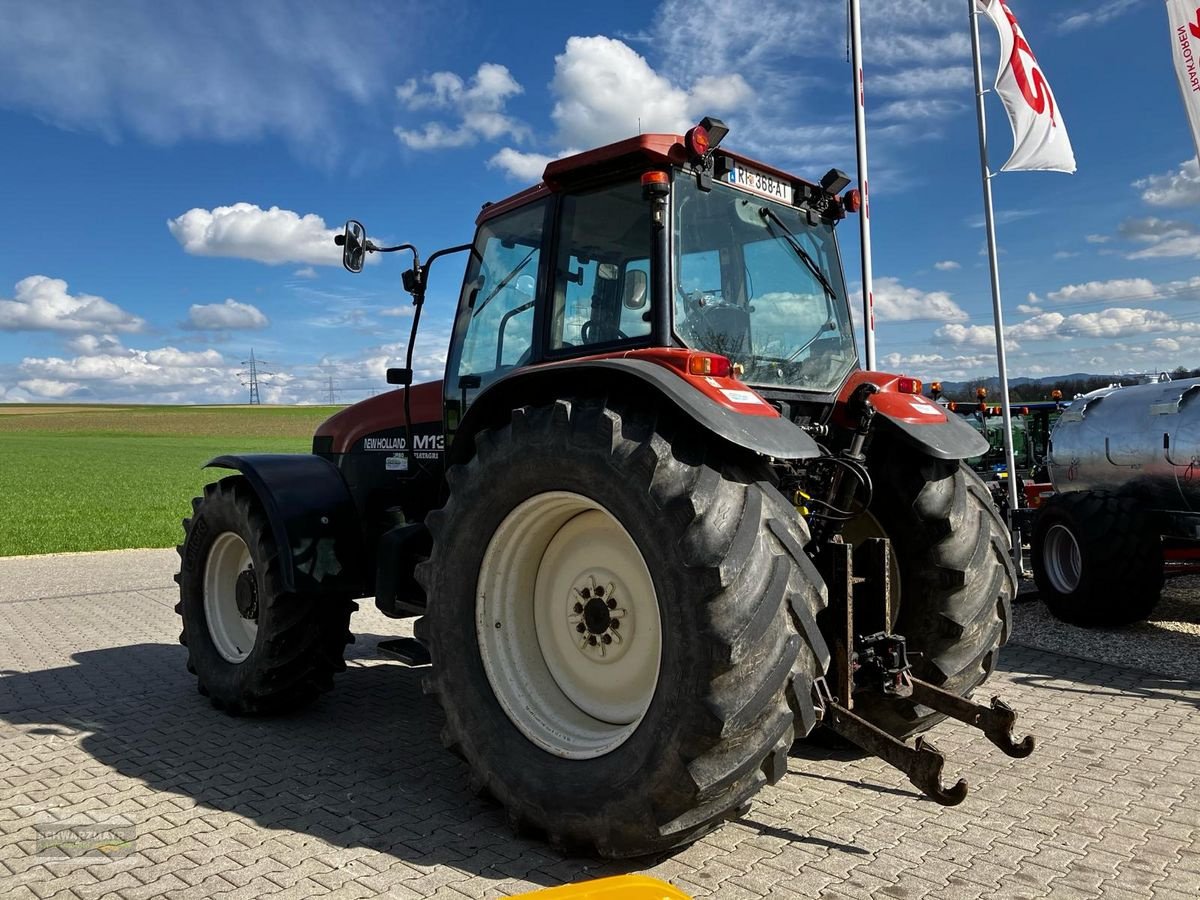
(864, 220)
(997, 312)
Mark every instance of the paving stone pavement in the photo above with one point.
(355, 798)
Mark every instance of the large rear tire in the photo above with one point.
(1097, 560)
(611, 609)
(956, 581)
(253, 648)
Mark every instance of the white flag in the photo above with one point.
(1040, 139)
(1185, 47)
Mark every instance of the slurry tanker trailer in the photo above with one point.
(1125, 465)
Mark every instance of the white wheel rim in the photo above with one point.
(231, 634)
(1064, 563)
(557, 562)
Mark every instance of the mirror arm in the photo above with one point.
(419, 277)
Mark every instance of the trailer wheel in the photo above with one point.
(957, 581)
(253, 648)
(1096, 558)
(611, 609)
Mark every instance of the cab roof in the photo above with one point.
(635, 154)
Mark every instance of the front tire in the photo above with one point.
(956, 583)
(253, 648)
(1097, 560)
(679, 723)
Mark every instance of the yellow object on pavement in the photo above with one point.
(620, 887)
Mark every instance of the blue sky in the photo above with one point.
(172, 175)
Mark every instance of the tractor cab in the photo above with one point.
(650, 243)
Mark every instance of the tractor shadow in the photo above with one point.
(362, 768)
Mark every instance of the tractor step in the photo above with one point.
(923, 762)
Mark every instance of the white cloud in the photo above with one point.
(178, 71)
(971, 335)
(1109, 323)
(1184, 245)
(1152, 229)
(228, 316)
(946, 265)
(1116, 289)
(924, 80)
(307, 272)
(604, 89)
(935, 366)
(164, 375)
(41, 303)
(48, 388)
(476, 107)
(522, 166)
(894, 302)
(246, 231)
(1097, 14)
(1098, 238)
(398, 312)
(1003, 217)
(915, 109)
(1172, 189)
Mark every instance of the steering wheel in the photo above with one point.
(586, 329)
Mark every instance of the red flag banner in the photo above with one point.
(1185, 49)
(1040, 141)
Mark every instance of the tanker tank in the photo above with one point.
(1142, 440)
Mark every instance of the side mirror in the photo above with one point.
(635, 289)
(354, 246)
(399, 376)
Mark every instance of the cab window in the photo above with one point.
(495, 315)
(601, 274)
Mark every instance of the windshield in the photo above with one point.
(757, 283)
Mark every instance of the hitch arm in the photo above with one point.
(922, 764)
(996, 722)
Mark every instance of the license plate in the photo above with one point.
(760, 183)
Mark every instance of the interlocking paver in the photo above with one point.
(356, 798)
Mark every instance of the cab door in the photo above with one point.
(494, 326)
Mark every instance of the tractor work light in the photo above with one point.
(702, 139)
(908, 385)
(835, 181)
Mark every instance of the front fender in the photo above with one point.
(313, 519)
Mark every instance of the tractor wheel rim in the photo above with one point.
(1064, 563)
(568, 625)
(231, 633)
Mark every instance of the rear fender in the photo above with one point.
(313, 520)
(765, 434)
(913, 418)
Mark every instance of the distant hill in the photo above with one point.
(1028, 389)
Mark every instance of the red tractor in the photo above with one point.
(655, 523)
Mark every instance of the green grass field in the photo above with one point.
(117, 477)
